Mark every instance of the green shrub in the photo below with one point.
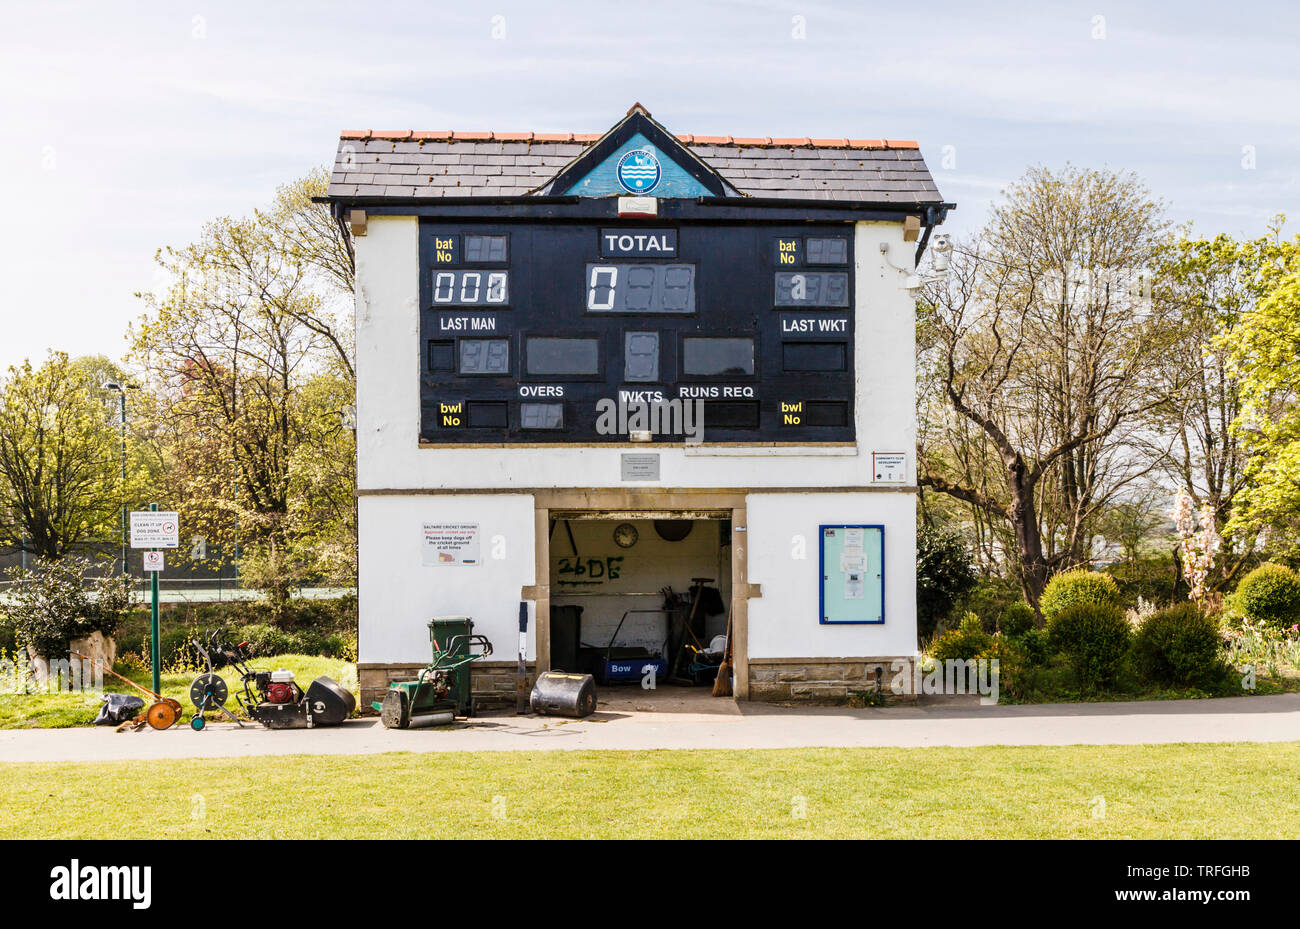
(62, 599)
(264, 640)
(1035, 646)
(1017, 619)
(1070, 588)
(1271, 595)
(944, 574)
(1180, 646)
(1094, 636)
(966, 641)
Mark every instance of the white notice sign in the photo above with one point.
(889, 467)
(155, 530)
(450, 543)
(153, 561)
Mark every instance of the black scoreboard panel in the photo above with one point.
(525, 327)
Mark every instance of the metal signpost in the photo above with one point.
(154, 531)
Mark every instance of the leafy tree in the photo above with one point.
(1039, 348)
(247, 359)
(1263, 352)
(60, 457)
(1213, 284)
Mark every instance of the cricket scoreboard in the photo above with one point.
(526, 327)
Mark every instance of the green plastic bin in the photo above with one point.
(442, 629)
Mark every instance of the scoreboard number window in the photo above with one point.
(640, 357)
(640, 288)
(487, 414)
(557, 357)
(442, 356)
(825, 250)
(484, 356)
(715, 357)
(541, 415)
(485, 249)
(812, 288)
(471, 288)
(814, 356)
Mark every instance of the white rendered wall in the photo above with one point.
(783, 623)
(388, 406)
(398, 594)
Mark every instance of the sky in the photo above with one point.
(126, 125)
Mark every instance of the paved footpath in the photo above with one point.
(666, 723)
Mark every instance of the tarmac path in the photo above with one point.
(636, 722)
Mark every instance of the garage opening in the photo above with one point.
(640, 596)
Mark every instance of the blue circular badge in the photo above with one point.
(638, 171)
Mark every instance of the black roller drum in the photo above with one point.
(328, 703)
(558, 693)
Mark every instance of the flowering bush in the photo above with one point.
(1139, 613)
(1259, 645)
(1198, 543)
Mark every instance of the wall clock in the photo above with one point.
(625, 535)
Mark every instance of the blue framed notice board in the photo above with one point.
(852, 562)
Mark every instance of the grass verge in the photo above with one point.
(1234, 790)
(61, 710)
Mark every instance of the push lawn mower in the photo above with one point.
(441, 691)
(272, 698)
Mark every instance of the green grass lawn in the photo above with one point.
(1165, 791)
(60, 710)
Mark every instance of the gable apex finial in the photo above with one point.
(638, 108)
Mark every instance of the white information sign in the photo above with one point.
(155, 530)
(153, 561)
(450, 544)
(889, 467)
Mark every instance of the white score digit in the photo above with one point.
(496, 289)
(444, 286)
(465, 295)
(612, 273)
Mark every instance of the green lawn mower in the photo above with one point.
(441, 691)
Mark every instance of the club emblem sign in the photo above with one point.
(638, 171)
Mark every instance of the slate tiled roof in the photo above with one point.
(417, 165)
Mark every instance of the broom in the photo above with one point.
(722, 683)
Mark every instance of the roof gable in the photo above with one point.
(638, 156)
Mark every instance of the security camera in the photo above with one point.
(941, 252)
